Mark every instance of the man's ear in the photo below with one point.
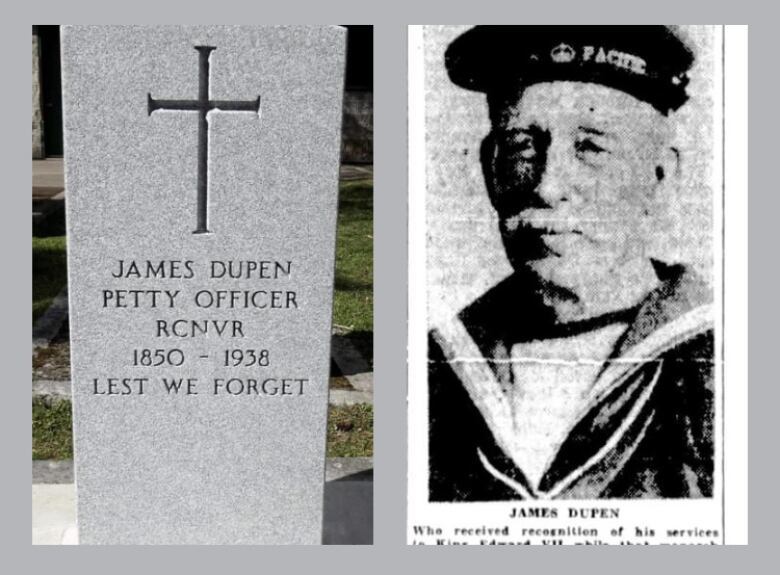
(487, 157)
(661, 208)
(669, 165)
(667, 173)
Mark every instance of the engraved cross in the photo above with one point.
(203, 105)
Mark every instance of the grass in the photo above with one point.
(350, 430)
(51, 426)
(49, 272)
(353, 302)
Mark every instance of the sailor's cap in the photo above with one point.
(648, 62)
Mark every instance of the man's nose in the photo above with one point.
(555, 181)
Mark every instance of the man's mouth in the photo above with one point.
(548, 226)
(552, 231)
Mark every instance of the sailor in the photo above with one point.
(588, 372)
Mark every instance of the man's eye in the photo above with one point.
(589, 148)
(523, 149)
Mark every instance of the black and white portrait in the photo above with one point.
(570, 179)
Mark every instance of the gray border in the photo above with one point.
(763, 277)
(388, 555)
(390, 283)
(723, 292)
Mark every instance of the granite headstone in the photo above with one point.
(202, 179)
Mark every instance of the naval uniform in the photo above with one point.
(646, 433)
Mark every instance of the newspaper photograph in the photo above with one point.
(567, 248)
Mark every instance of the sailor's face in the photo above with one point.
(573, 170)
